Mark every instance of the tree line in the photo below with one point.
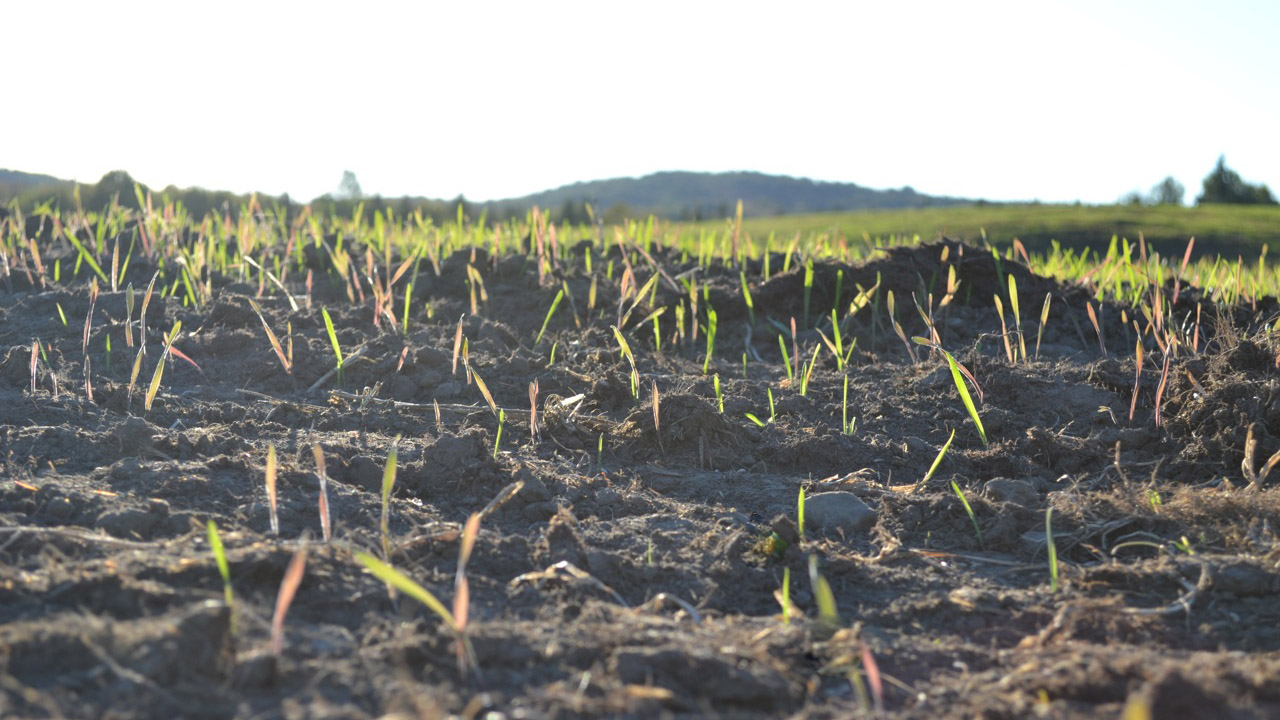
(1222, 186)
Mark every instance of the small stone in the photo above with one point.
(1018, 492)
(128, 523)
(838, 509)
(60, 508)
(448, 389)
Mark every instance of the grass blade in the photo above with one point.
(401, 582)
(288, 589)
(271, 489)
(159, 371)
(964, 396)
(969, 511)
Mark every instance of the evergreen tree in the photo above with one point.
(1224, 185)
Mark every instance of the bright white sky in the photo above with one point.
(1054, 100)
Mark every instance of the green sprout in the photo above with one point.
(800, 513)
(333, 340)
(711, 339)
(388, 484)
(969, 511)
(1053, 550)
(936, 462)
(551, 311)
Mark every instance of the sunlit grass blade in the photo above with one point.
(388, 485)
(484, 390)
(936, 462)
(271, 489)
(965, 397)
(220, 557)
(318, 453)
(333, 340)
(271, 336)
(969, 511)
(1053, 550)
(552, 311)
(401, 582)
(159, 371)
(1044, 320)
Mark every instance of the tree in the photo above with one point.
(1224, 185)
(1167, 192)
(349, 187)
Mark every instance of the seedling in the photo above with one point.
(497, 440)
(1044, 319)
(275, 343)
(969, 511)
(786, 359)
(457, 345)
(533, 411)
(808, 371)
(715, 382)
(288, 589)
(1053, 550)
(711, 339)
(625, 348)
(846, 425)
(159, 371)
(388, 485)
(808, 289)
(318, 453)
(800, 513)
(1004, 331)
(128, 316)
(550, 311)
(333, 340)
(220, 557)
(271, 489)
(784, 596)
(964, 396)
(657, 416)
(488, 397)
(1093, 318)
(1017, 316)
(897, 328)
(746, 297)
(936, 462)
(404, 584)
(1137, 378)
(828, 615)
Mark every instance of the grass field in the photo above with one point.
(1221, 229)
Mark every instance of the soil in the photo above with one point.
(637, 569)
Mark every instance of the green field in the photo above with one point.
(1222, 229)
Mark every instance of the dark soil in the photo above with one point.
(641, 579)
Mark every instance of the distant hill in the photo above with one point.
(674, 195)
(693, 195)
(13, 182)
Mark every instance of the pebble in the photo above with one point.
(129, 523)
(838, 509)
(1022, 493)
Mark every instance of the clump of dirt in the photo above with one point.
(628, 563)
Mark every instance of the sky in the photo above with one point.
(1050, 100)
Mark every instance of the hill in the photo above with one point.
(693, 195)
(13, 182)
